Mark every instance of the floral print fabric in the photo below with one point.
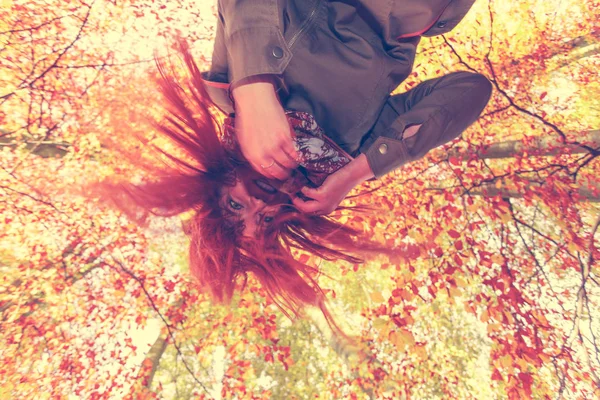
(319, 156)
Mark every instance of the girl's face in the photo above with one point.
(254, 199)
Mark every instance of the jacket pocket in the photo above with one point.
(450, 17)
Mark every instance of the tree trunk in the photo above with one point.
(46, 149)
(578, 48)
(342, 348)
(541, 146)
(591, 51)
(591, 193)
(152, 360)
(345, 350)
(573, 46)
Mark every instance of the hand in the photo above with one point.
(327, 197)
(324, 199)
(262, 129)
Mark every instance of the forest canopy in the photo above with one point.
(499, 297)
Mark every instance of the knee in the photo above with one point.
(477, 87)
(484, 85)
(473, 92)
(475, 83)
(481, 86)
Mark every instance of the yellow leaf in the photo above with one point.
(505, 217)
(544, 357)
(397, 341)
(377, 297)
(460, 282)
(509, 317)
(522, 363)
(248, 374)
(540, 317)
(498, 259)
(485, 316)
(402, 338)
(455, 292)
(420, 352)
(493, 327)
(379, 323)
(408, 337)
(506, 361)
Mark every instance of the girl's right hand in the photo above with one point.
(262, 129)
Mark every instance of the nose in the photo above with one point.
(251, 229)
(253, 219)
(256, 205)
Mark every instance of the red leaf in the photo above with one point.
(496, 375)
(414, 288)
(459, 245)
(431, 291)
(453, 234)
(543, 95)
(458, 260)
(169, 286)
(527, 381)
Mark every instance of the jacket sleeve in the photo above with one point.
(444, 107)
(250, 39)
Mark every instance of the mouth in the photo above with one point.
(261, 183)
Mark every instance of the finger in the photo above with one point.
(290, 150)
(307, 190)
(264, 168)
(270, 169)
(275, 170)
(306, 207)
(285, 160)
(313, 193)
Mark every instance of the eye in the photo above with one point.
(234, 205)
(268, 219)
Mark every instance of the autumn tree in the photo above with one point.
(497, 299)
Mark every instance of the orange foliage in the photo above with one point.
(508, 240)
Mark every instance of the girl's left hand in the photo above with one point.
(327, 197)
(324, 199)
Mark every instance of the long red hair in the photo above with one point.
(218, 255)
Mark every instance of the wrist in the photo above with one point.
(352, 174)
(252, 87)
(359, 170)
(255, 100)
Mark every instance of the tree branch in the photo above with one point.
(539, 146)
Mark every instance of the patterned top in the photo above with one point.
(319, 156)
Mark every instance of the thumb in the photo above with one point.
(311, 192)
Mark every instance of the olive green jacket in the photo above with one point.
(338, 60)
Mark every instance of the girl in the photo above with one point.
(306, 87)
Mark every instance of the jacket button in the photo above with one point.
(442, 24)
(277, 52)
(383, 148)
